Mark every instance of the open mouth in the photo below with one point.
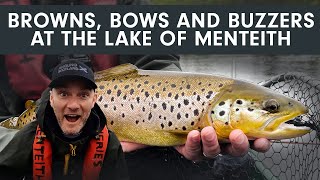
(72, 117)
(299, 123)
(295, 124)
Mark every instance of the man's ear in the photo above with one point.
(51, 98)
(95, 96)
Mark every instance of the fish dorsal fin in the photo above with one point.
(29, 104)
(121, 71)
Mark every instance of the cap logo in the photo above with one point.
(72, 67)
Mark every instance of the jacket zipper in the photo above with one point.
(67, 158)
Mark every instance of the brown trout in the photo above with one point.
(160, 108)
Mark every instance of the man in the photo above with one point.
(69, 139)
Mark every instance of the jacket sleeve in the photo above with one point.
(114, 166)
(16, 156)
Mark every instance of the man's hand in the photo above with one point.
(239, 144)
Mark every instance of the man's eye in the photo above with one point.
(63, 94)
(84, 95)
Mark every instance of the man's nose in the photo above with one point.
(73, 104)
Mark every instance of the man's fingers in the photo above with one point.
(261, 145)
(239, 144)
(210, 144)
(192, 149)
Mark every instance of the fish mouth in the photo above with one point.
(290, 122)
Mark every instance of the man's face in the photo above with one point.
(72, 105)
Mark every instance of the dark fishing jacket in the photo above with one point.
(16, 158)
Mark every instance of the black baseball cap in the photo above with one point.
(72, 70)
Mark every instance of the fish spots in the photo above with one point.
(169, 94)
(199, 83)
(152, 87)
(111, 122)
(221, 113)
(162, 125)
(169, 123)
(212, 112)
(138, 99)
(112, 99)
(137, 122)
(119, 92)
(122, 115)
(173, 85)
(226, 123)
(188, 86)
(149, 116)
(101, 87)
(100, 98)
(198, 98)
(126, 86)
(147, 94)
(131, 91)
(144, 109)
(124, 97)
(222, 103)
(154, 106)
(176, 97)
(179, 105)
(250, 109)
(184, 128)
(187, 115)
(108, 91)
(105, 105)
(239, 102)
(192, 123)
(237, 109)
(196, 112)
(178, 116)
(157, 95)
(115, 108)
(220, 85)
(139, 85)
(164, 106)
(171, 108)
(164, 89)
(146, 82)
(159, 83)
(186, 102)
(131, 106)
(115, 86)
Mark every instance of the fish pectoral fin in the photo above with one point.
(118, 72)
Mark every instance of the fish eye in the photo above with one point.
(271, 106)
